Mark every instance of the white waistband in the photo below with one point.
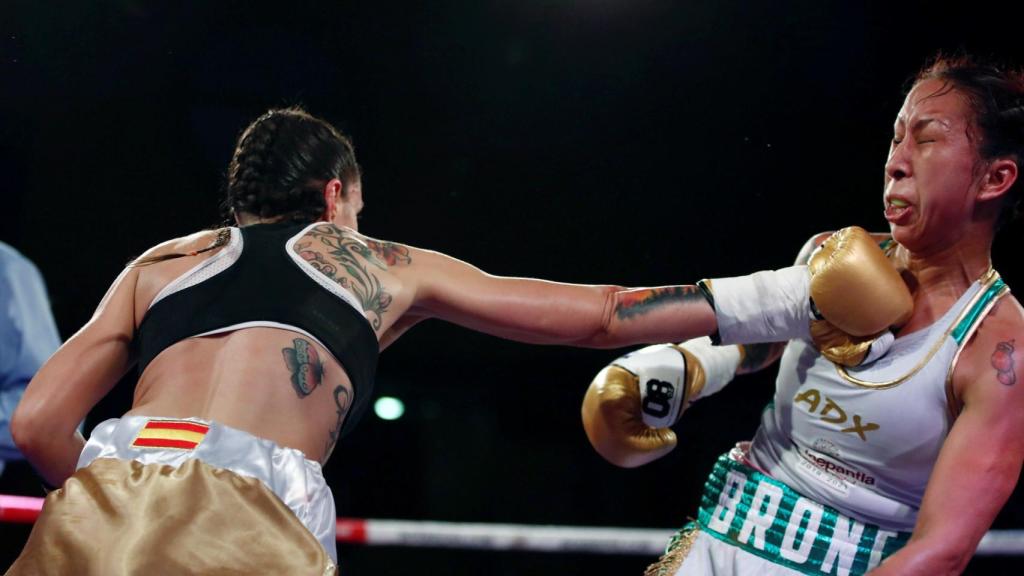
(296, 480)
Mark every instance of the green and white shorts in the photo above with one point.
(749, 523)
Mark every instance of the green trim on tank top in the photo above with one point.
(977, 311)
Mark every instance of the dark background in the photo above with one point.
(606, 141)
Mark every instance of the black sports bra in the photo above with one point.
(266, 286)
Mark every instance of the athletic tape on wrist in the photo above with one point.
(769, 306)
(719, 364)
(661, 371)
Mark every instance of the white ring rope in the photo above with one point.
(534, 538)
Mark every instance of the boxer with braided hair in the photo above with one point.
(256, 347)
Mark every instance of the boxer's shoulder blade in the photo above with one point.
(369, 269)
(153, 278)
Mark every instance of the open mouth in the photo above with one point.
(896, 210)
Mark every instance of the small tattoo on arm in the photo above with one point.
(303, 361)
(1002, 361)
(639, 302)
(342, 401)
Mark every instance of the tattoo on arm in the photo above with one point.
(392, 254)
(1002, 361)
(360, 261)
(342, 401)
(639, 302)
(303, 361)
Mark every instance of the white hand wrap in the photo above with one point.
(661, 371)
(719, 363)
(769, 306)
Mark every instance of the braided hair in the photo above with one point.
(281, 164)
(995, 93)
(279, 169)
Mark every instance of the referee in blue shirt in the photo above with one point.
(28, 336)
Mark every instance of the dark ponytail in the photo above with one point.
(223, 237)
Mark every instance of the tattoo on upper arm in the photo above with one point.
(360, 260)
(1002, 361)
(342, 402)
(640, 302)
(303, 361)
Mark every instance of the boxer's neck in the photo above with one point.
(937, 280)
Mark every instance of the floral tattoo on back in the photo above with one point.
(354, 264)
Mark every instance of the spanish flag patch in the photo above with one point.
(180, 434)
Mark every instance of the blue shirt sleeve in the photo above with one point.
(28, 335)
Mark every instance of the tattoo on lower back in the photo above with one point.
(342, 401)
(639, 302)
(1002, 361)
(303, 362)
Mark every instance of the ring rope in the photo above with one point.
(487, 536)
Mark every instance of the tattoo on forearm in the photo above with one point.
(342, 401)
(1002, 361)
(303, 362)
(359, 259)
(640, 302)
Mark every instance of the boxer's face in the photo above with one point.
(931, 174)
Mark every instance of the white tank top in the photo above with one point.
(864, 440)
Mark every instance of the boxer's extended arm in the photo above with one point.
(980, 460)
(760, 356)
(823, 301)
(543, 312)
(72, 381)
(630, 404)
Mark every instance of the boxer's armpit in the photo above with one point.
(636, 303)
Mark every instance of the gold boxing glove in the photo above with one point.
(631, 403)
(858, 295)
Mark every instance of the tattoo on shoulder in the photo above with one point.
(342, 402)
(360, 260)
(303, 362)
(392, 254)
(639, 302)
(1002, 361)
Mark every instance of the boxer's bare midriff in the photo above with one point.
(242, 379)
